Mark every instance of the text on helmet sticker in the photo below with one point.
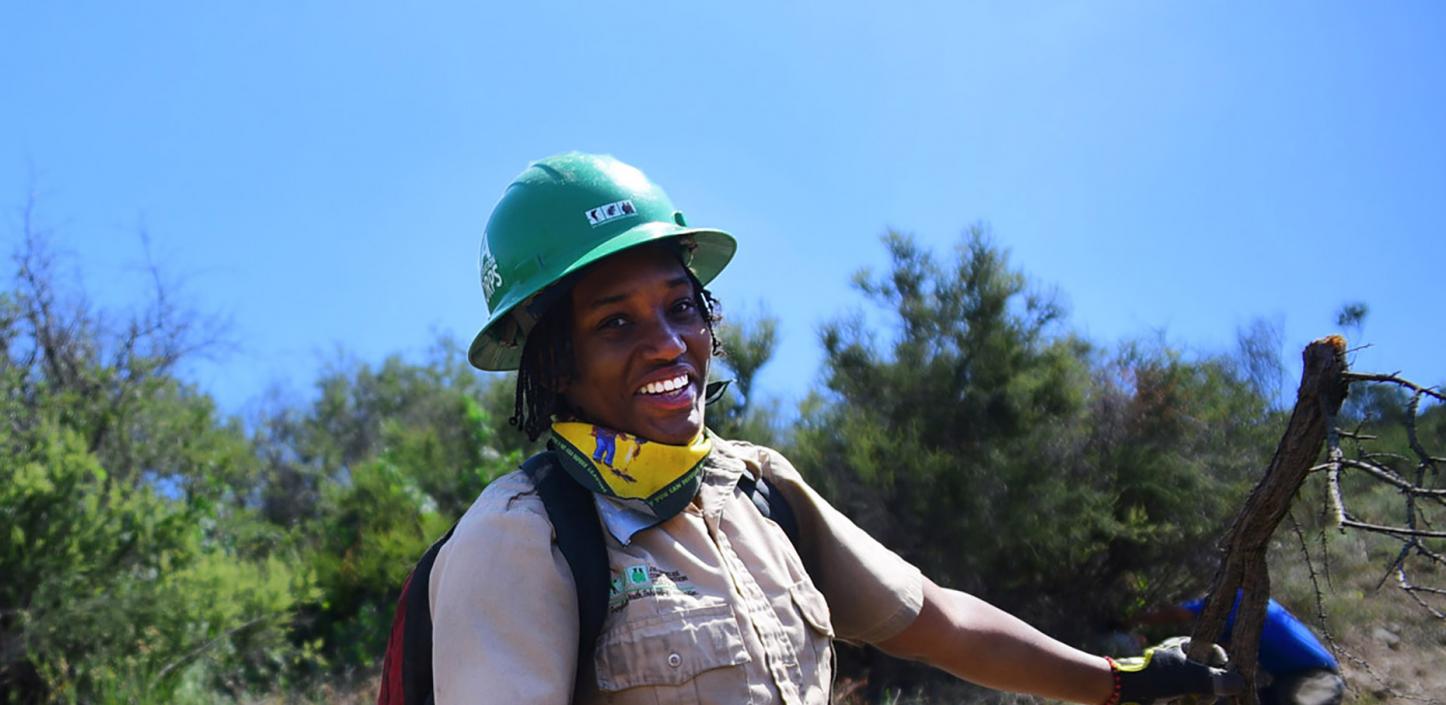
(612, 211)
(491, 279)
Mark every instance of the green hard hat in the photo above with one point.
(559, 215)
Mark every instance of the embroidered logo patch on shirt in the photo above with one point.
(643, 580)
(638, 576)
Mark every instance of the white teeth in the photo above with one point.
(665, 386)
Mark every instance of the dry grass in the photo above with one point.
(1390, 649)
(356, 691)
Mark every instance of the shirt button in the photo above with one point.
(675, 660)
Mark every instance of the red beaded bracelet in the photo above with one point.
(1114, 698)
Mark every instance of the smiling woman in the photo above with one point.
(642, 343)
(643, 559)
(639, 330)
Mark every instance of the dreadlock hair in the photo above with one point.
(548, 361)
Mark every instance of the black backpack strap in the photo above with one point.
(771, 504)
(407, 667)
(579, 537)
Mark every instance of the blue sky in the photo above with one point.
(321, 172)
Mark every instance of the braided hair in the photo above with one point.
(548, 360)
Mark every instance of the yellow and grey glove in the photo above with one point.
(1163, 674)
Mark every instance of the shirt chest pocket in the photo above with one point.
(669, 649)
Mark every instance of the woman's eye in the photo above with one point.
(612, 322)
(684, 306)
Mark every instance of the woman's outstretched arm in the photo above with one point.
(976, 641)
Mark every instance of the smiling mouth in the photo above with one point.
(664, 386)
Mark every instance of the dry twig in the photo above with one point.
(1420, 542)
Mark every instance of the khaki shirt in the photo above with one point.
(711, 606)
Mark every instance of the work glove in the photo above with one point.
(1163, 674)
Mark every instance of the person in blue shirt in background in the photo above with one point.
(1297, 668)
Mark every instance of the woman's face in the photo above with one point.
(642, 347)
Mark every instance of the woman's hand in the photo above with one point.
(1163, 672)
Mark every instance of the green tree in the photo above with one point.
(377, 467)
(963, 426)
(124, 573)
(950, 439)
(748, 345)
(1177, 442)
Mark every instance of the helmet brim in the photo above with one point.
(498, 346)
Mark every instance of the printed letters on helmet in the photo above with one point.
(491, 279)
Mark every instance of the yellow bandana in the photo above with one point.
(654, 478)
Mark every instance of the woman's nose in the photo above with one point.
(664, 340)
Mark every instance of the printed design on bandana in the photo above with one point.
(659, 479)
(606, 450)
(606, 445)
(641, 581)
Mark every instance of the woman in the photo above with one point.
(595, 284)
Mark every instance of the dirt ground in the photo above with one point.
(1396, 662)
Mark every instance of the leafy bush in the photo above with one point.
(124, 570)
(390, 456)
(1003, 456)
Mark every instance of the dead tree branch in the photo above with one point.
(1243, 569)
(1324, 384)
(1420, 541)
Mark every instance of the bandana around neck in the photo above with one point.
(655, 479)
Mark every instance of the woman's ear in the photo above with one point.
(564, 406)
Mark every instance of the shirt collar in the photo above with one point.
(621, 521)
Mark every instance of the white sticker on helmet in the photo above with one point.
(491, 279)
(612, 211)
